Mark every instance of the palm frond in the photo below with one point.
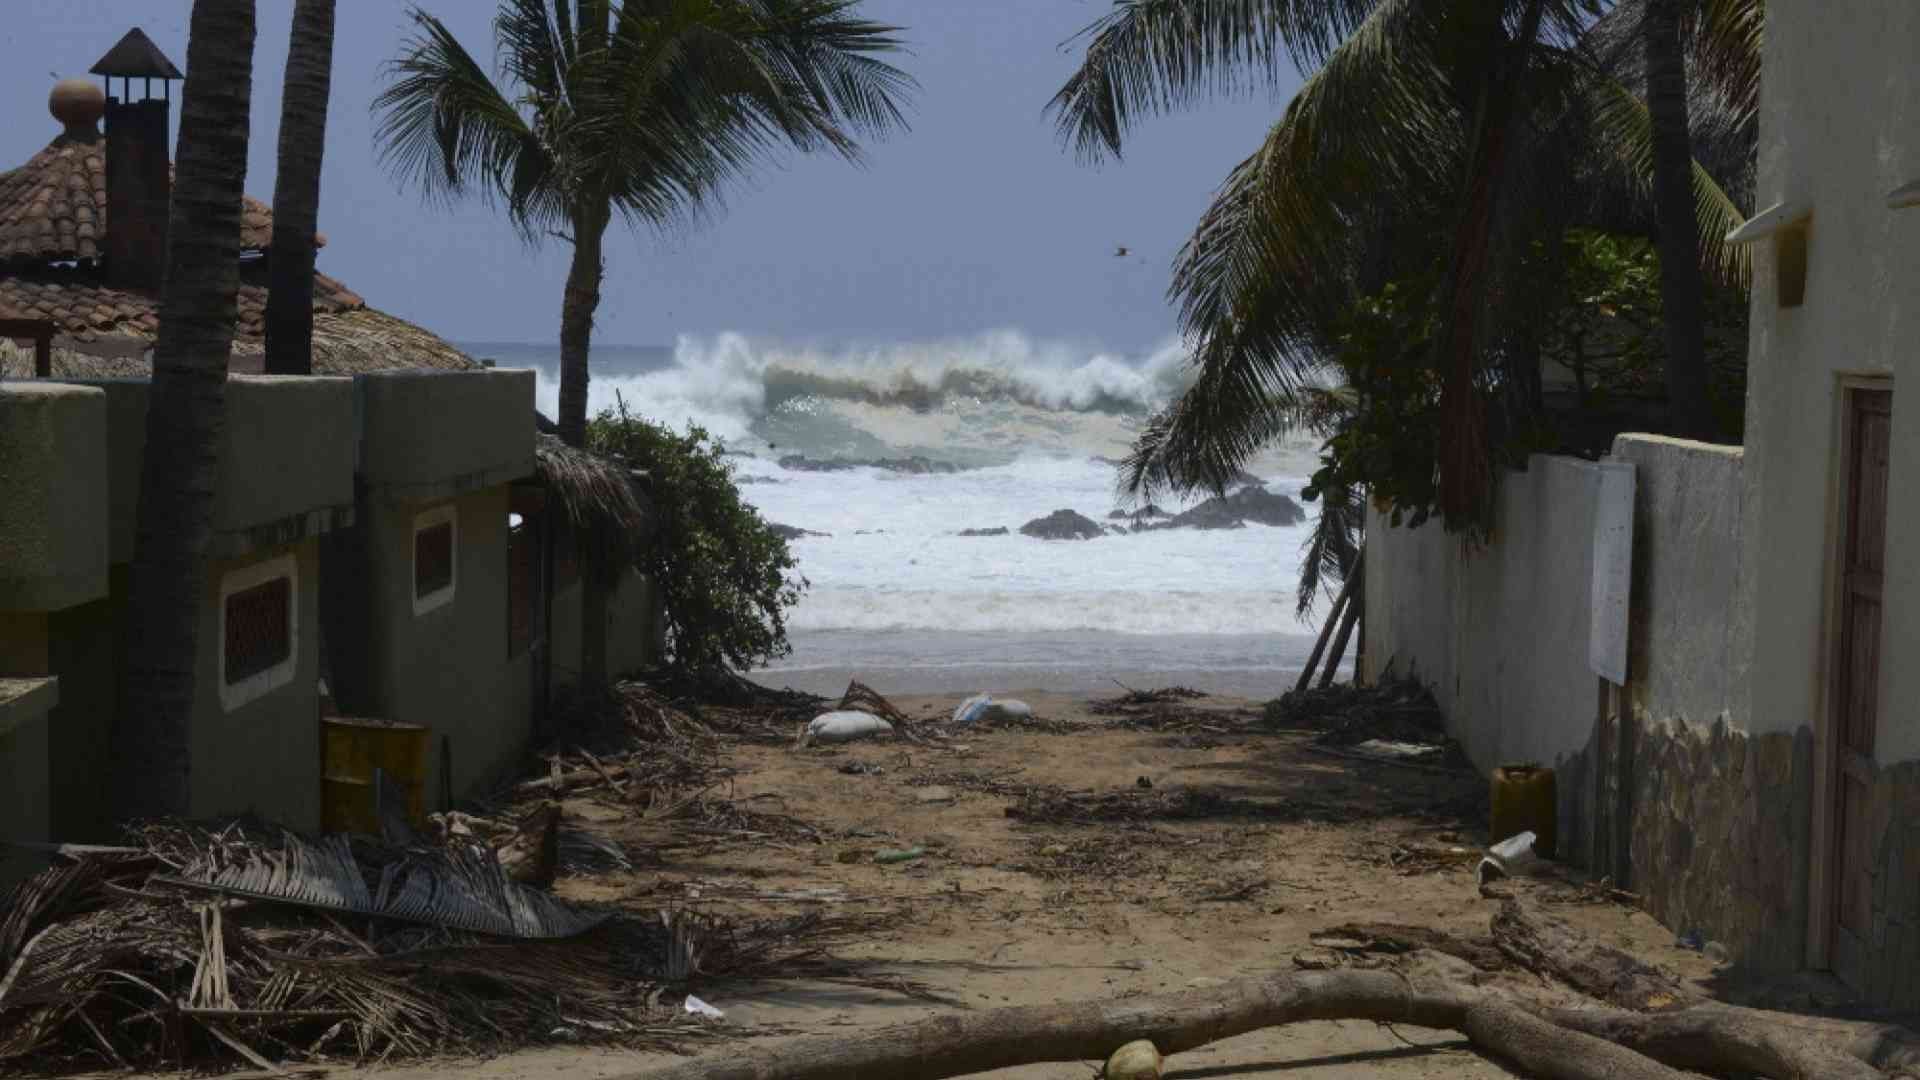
(1364, 148)
(1627, 135)
(690, 94)
(1152, 56)
(460, 888)
(1332, 550)
(447, 128)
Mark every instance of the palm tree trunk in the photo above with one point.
(581, 300)
(1681, 301)
(296, 189)
(576, 335)
(186, 415)
(1466, 472)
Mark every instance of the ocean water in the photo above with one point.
(897, 598)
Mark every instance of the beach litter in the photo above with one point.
(696, 1007)
(983, 709)
(1509, 858)
(890, 856)
(846, 726)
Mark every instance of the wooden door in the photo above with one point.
(1856, 684)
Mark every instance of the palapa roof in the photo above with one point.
(54, 208)
(597, 492)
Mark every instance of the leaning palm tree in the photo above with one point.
(186, 415)
(1430, 136)
(296, 188)
(640, 110)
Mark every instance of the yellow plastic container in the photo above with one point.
(351, 749)
(1523, 799)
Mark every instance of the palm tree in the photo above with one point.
(296, 189)
(641, 110)
(1428, 135)
(186, 414)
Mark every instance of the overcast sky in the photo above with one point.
(974, 220)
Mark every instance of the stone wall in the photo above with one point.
(1720, 826)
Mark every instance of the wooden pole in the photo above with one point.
(1357, 582)
(1326, 632)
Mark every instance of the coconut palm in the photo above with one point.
(296, 188)
(1428, 134)
(640, 110)
(186, 414)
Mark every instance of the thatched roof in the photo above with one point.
(597, 493)
(54, 208)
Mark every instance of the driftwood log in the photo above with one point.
(1683, 1031)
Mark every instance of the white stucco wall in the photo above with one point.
(1503, 634)
(1690, 650)
(1840, 128)
(1500, 633)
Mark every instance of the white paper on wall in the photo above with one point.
(1612, 570)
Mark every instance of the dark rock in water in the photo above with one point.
(1001, 531)
(1151, 510)
(1062, 525)
(915, 465)
(1250, 504)
(1245, 479)
(758, 480)
(789, 532)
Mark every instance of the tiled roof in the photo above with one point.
(83, 307)
(54, 208)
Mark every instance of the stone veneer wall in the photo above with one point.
(1720, 827)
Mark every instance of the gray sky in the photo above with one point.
(974, 220)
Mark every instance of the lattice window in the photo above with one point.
(259, 629)
(435, 551)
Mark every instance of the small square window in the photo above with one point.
(435, 554)
(259, 630)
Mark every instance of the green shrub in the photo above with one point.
(725, 578)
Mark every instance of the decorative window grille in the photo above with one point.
(435, 555)
(259, 630)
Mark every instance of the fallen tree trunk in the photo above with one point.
(968, 1043)
(1684, 1028)
(1682, 1031)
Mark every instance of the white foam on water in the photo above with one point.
(1028, 420)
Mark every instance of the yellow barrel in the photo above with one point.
(351, 749)
(1523, 799)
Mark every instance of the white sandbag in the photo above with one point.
(846, 726)
(981, 708)
(972, 709)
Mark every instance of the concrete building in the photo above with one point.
(1756, 777)
(384, 529)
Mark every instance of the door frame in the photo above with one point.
(1820, 864)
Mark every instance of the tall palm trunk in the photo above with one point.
(576, 335)
(1682, 304)
(581, 300)
(296, 188)
(1466, 472)
(186, 415)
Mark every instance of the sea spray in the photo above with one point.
(1034, 427)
